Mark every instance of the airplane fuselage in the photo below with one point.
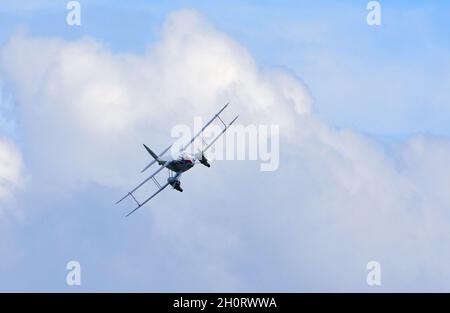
(180, 165)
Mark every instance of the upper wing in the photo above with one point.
(221, 133)
(204, 127)
(148, 199)
(140, 185)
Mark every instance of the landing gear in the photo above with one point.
(175, 183)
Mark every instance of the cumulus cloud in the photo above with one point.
(79, 96)
(338, 200)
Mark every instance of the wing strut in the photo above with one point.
(140, 185)
(221, 133)
(204, 127)
(148, 199)
(134, 198)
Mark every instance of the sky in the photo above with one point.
(364, 145)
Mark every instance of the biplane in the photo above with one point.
(178, 165)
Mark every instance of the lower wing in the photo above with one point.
(148, 199)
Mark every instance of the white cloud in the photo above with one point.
(10, 168)
(79, 97)
(338, 201)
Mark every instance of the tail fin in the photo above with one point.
(160, 161)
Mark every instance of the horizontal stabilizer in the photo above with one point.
(157, 158)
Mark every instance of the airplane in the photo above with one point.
(179, 165)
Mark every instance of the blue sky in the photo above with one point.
(339, 199)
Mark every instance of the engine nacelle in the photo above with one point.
(200, 156)
(205, 162)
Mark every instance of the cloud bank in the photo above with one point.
(339, 199)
